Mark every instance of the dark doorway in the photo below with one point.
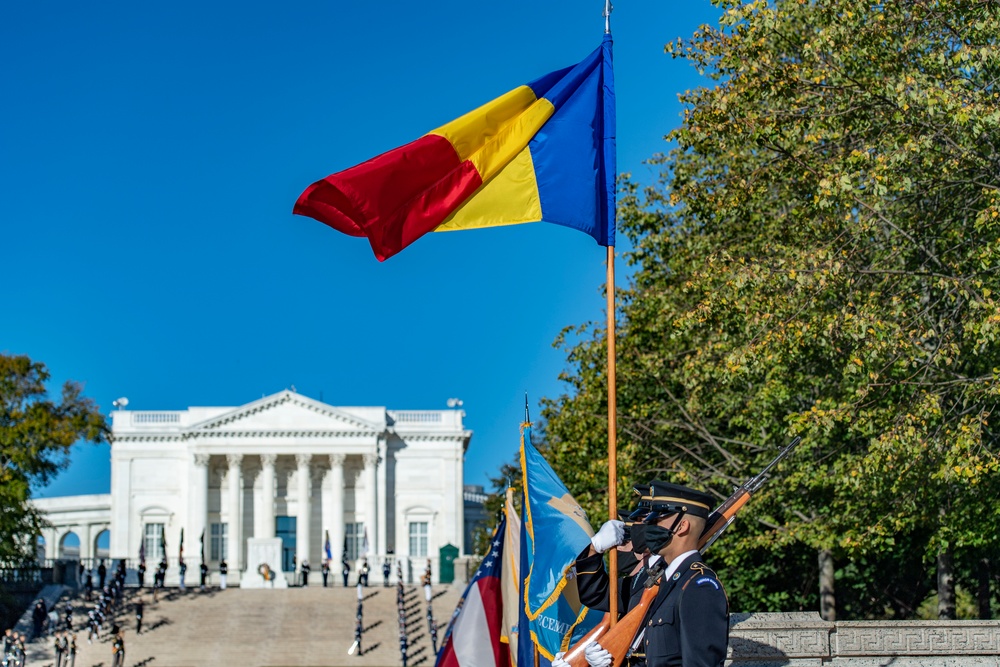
(285, 529)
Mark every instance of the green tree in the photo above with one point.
(35, 438)
(819, 257)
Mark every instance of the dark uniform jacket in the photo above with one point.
(594, 583)
(688, 623)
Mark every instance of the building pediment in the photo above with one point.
(285, 411)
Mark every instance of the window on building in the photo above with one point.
(354, 536)
(219, 545)
(152, 540)
(418, 539)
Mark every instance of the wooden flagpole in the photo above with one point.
(612, 436)
(612, 404)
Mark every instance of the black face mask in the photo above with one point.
(639, 538)
(658, 537)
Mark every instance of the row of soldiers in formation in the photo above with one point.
(363, 571)
(13, 649)
(432, 627)
(159, 575)
(687, 622)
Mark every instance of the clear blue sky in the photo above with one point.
(151, 154)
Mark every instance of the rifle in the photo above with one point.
(618, 639)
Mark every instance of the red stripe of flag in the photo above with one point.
(408, 192)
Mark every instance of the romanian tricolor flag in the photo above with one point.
(544, 152)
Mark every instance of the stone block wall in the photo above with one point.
(804, 640)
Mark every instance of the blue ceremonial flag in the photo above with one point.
(326, 547)
(554, 530)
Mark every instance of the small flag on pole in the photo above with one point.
(326, 547)
(543, 152)
(510, 582)
(475, 634)
(202, 545)
(142, 551)
(180, 552)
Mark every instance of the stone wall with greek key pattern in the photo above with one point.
(804, 639)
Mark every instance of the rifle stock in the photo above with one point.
(618, 640)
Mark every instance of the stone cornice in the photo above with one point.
(146, 438)
(432, 437)
(287, 433)
(308, 433)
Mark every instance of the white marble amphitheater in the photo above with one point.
(374, 482)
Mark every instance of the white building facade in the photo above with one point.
(373, 482)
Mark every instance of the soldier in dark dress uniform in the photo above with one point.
(57, 644)
(325, 571)
(688, 622)
(204, 574)
(363, 573)
(138, 616)
(305, 569)
(118, 649)
(142, 573)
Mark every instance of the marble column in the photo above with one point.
(86, 543)
(234, 537)
(198, 515)
(51, 545)
(267, 495)
(335, 518)
(371, 502)
(302, 527)
(381, 500)
(459, 503)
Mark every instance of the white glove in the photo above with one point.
(557, 660)
(597, 655)
(610, 535)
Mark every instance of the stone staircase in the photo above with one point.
(310, 626)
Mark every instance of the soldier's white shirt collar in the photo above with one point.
(676, 563)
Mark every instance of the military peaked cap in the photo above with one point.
(641, 509)
(666, 498)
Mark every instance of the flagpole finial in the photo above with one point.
(608, 7)
(527, 419)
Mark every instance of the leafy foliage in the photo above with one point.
(819, 257)
(35, 438)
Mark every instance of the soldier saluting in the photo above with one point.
(688, 622)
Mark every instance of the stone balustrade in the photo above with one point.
(804, 639)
